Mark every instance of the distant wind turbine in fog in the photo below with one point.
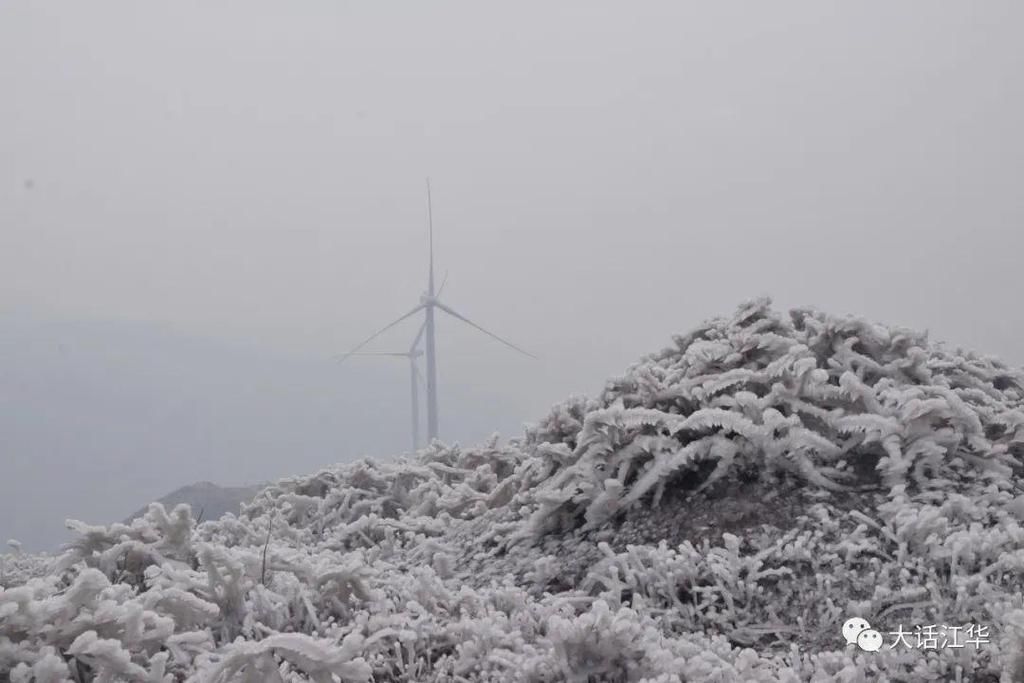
(428, 302)
(414, 378)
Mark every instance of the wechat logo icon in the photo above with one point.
(858, 632)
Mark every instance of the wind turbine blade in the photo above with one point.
(430, 222)
(444, 281)
(469, 322)
(380, 332)
(419, 335)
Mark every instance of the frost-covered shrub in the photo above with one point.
(898, 460)
(17, 567)
(840, 403)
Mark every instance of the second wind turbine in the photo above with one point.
(428, 303)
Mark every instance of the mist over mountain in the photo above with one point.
(99, 417)
(203, 206)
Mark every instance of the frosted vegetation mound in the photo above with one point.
(715, 514)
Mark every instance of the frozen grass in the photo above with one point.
(714, 515)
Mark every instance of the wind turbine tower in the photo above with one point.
(429, 302)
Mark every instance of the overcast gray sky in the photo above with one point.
(605, 174)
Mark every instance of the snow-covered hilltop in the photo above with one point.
(716, 514)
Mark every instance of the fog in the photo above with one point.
(202, 204)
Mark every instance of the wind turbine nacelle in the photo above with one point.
(428, 300)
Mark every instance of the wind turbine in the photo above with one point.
(414, 379)
(428, 303)
(414, 372)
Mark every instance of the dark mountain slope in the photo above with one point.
(207, 500)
